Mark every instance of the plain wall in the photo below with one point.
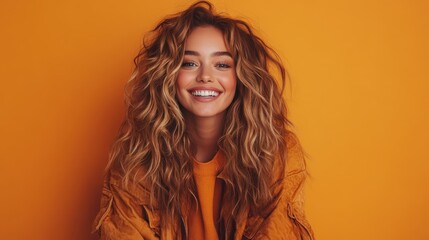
(358, 99)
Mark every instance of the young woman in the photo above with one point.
(205, 150)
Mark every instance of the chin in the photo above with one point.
(206, 114)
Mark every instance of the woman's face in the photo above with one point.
(206, 81)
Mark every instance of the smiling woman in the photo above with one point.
(205, 150)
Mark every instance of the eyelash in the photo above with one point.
(188, 64)
(224, 65)
(218, 65)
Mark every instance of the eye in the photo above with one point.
(189, 64)
(223, 65)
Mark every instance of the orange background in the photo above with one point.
(359, 103)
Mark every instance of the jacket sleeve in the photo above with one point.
(287, 220)
(122, 215)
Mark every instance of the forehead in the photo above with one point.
(205, 38)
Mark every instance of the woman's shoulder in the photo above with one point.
(295, 158)
(292, 168)
(131, 182)
(125, 209)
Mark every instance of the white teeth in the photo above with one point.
(205, 93)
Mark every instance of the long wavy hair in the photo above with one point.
(153, 134)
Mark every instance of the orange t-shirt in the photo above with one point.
(204, 218)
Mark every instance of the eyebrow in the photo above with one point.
(215, 54)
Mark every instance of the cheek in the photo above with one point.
(181, 80)
(230, 82)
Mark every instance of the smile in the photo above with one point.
(205, 93)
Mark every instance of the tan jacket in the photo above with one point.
(127, 214)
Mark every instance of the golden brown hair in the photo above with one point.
(153, 135)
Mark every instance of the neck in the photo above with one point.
(205, 132)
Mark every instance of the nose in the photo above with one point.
(205, 74)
